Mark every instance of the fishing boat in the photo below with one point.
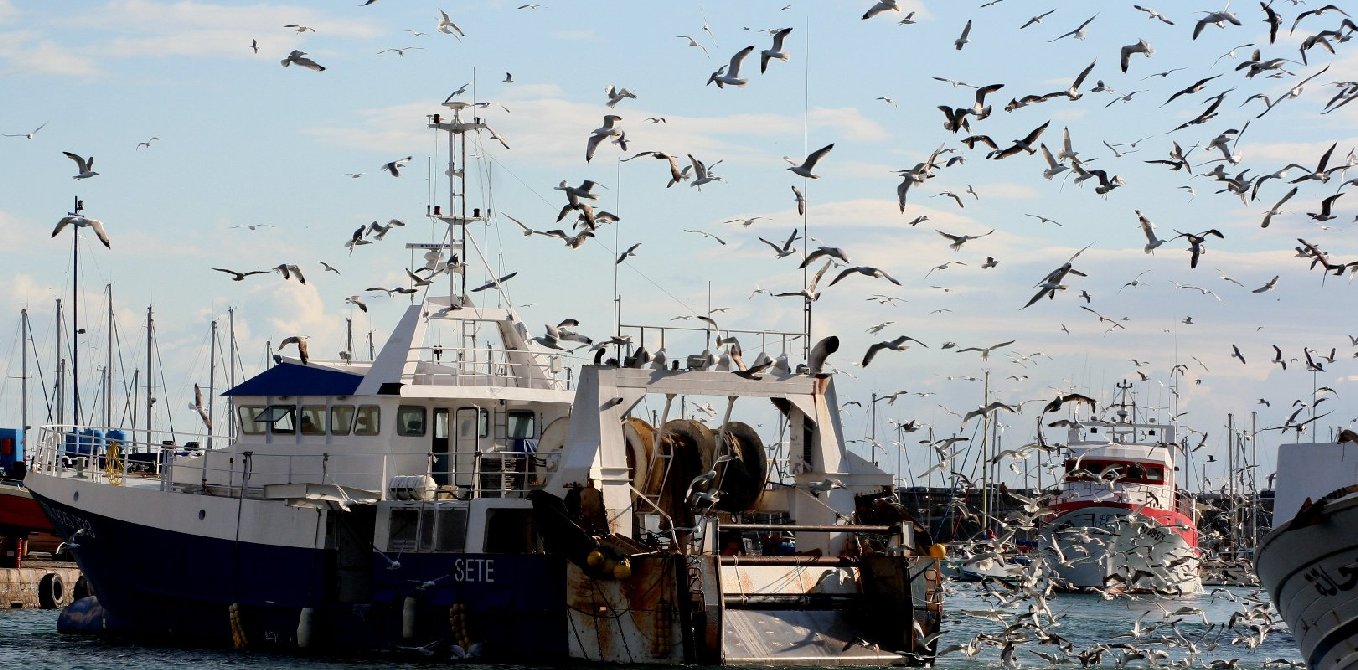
(465, 494)
(1119, 523)
(1308, 563)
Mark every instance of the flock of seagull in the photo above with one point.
(1322, 180)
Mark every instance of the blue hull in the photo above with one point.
(179, 587)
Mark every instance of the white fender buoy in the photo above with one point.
(408, 618)
(304, 628)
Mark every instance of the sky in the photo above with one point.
(250, 167)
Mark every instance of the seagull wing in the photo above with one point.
(736, 59)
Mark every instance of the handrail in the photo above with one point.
(497, 474)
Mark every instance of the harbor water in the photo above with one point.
(29, 639)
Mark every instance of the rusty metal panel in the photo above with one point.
(626, 619)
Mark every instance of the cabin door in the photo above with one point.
(466, 448)
(442, 466)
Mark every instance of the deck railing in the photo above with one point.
(63, 451)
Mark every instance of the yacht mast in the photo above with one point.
(23, 378)
(231, 367)
(61, 373)
(211, 382)
(75, 316)
(108, 366)
(150, 333)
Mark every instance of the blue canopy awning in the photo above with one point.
(293, 379)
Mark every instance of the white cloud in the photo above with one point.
(28, 53)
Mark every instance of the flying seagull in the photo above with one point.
(84, 166)
(898, 344)
(494, 283)
(78, 221)
(395, 166)
(240, 276)
(300, 341)
(299, 58)
(28, 135)
(731, 77)
(776, 52)
(804, 170)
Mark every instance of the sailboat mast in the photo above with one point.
(75, 318)
(23, 378)
(108, 365)
(150, 333)
(211, 381)
(61, 373)
(231, 365)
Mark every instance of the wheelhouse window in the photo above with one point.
(521, 425)
(279, 418)
(341, 419)
(367, 419)
(311, 419)
(249, 424)
(410, 421)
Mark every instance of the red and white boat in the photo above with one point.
(1119, 522)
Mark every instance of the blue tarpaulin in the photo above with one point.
(293, 379)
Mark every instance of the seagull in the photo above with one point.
(300, 341)
(1149, 229)
(1053, 167)
(395, 166)
(609, 129)
(804, 170)
(820, 252)
(28, 135)
(815, 363)
(399, 52)
(356, 301)
(959, 240)
(1235, 353)
(299, 58)
(692, 42)
(200, 407)
(702, 173)
(617, 95)
(801, 200)
(147, 143)
(1195, 243)
(776, 51)
(706, 234)
(288, 270)
(240, 276)
(785, 249)
(745, 222)
(986, 351)
(987, 409)
(1220, 19)
(300, 28)
(1141, 47)
(962, 40)
(1154, 15)
(1325, 208)
(84, 166)
(898, 344)
(1079, 32)
(868, 271)
(723, 77)
(1275, 211)
(1036, 19)
(631, 251)
(78, 221)
(494, 283)
(882, 6)
(1266, 287)
(447, 26)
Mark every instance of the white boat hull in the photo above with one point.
(1310, 569)
(1111, 548)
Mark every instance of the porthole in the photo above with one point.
(202, 514)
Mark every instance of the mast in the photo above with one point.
(23, 378)
(61, 372)
(211, 381)
(108, 366)
(349, 336)
(457, 192)
(150, 333)
(75, 318)
(231, 366)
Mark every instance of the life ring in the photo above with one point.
(51, 591)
